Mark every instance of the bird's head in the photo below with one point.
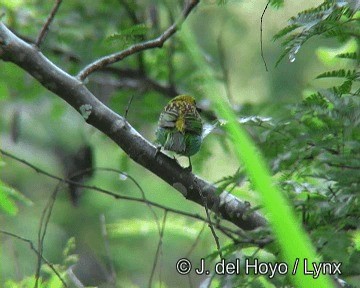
(184, 98)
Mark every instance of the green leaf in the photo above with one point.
(342, 73)
(129, 33)
(277, 3)
(356, 240)
(7, 197)
(4, 91)
(352, 56)
(12, 4)
(285, 31)
(15, 194)
(6, 203)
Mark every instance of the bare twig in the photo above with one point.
(32, 247)
(261, 35)
(57, 50)
(136, 184)
(171, 48)
(158, 249)
(155, 43)
(216, 238)
(115, 195)
(46, 26)
(131, 13)
(135, 21)
(107, 248)
(44, 221)
(196, 241)
(128, 106)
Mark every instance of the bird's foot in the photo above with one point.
(158, 149)
(189, 169)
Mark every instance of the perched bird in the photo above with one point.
(180, 127)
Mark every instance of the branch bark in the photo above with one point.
(95, 113)
(155, 43)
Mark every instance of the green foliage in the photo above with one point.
(7, 197)
(6, 204)
(352, 56)
(331, 19)
(277, 3)
(129, 35)
(281, 217)
(50, 280)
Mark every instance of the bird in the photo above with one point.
(180, 127)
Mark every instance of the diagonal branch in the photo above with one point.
(116, 127)
(155, 43)
(46, 26)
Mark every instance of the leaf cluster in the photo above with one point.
(332, 19)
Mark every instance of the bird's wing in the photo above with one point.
(168, 118)
(193, 124)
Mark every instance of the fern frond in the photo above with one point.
(342, 73)
(285, 31)
(344, 88)
(352, 56)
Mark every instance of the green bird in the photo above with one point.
(180, 127)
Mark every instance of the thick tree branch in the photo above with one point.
(155, 43)
(143, 152)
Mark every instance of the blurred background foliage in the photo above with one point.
(306, 125)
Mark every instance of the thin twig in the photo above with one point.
(44, 221)
(115, 195)
(261, 35)
(32, 247)
(155, 43)
(136, 21)
(158, 249)
(196, 241)
(46, 26)
(107, 248)
(216, 238)
(171, 48)
(128, 106)
(132, 179)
